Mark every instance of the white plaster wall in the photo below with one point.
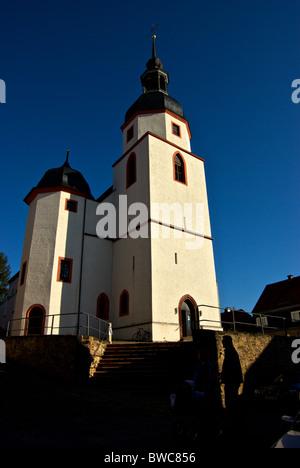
(97, 261)
(136, 279)
(97, 273)
(52, 232)
(184, 140)
(38, 252)
(194, 273)
(160, 124)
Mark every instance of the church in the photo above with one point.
(139, 257)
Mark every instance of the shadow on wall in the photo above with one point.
(275, 360)
(263, 358)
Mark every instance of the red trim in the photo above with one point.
(104, 316)
(22, 280)
(27, 317)
(36, 191)
(120, 303)
(179, 129)
(69, 280)
(159, 138)
(194, 303)
(72, 201)
(184, 168)
(128, 169)
(158, 111)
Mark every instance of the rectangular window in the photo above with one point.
(176, 130)
(64, 273)
(129, 134)
(262, 321)
(71, 205)
(23, 273)
(295, 316)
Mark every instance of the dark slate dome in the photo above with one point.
(155, 89)
(65, 176)
(154, 100)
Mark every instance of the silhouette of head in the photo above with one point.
(227, 341)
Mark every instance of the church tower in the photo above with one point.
(162, 275)
(51, 265)
(155, 268)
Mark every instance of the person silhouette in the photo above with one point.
(231, 375)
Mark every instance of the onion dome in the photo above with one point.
(63, 176)
(155, 89)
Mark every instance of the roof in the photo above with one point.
(13, 278)
(63, 176)
(281, 295)
(154, 101)
(155, 89)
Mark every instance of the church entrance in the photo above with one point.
(35, 321)
(188, 317)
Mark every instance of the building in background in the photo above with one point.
(279, 306)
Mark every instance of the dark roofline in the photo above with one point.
(105, 194)
(13, 278)
(281, 295)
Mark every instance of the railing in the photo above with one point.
(61, 324)
(256, 322)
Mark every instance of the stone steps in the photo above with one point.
(146, 366)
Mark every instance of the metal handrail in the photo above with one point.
(93, 326)
(234, 322)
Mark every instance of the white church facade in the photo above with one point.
(141, 255)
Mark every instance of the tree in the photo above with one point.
(5, 273)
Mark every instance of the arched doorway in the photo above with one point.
(35, 320)
(188, 316)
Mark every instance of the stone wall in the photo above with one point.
(263, 357)
(68, 357)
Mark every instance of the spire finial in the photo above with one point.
(153, 47)
(153, 38)
(67, 157)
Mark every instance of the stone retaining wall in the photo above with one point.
(263, 357)
(67, 357)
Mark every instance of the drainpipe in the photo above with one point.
(81, 263)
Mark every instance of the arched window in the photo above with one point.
(124, 303)
(131, 170)
(35, 320)
(179, 168)
(103, 307)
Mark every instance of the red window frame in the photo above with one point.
(70, 261)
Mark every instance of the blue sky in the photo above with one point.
(72, 69)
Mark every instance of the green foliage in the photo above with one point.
(5, 273)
